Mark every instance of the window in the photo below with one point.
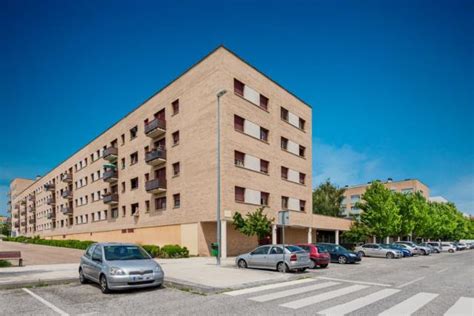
(133, 158)
(302, 123)
(175, 136)
(302, 178)
(122, 138)
(284, 173)
(123, 186)
(284, 143)
(239, 158)
(284, 114)
(134, 208)
(239, 194)
(264, 198)
(302, 151)
(134, 183)
(302, 205)
(355, 198)
(175, 106)
(263, 166)
(133, 132)
(238, 88)
(176, 169)
(239, 123)
(261, 250)
(123, 163)
(284, 202)
(264, 134)
(147, 206)
(176, 200)
(114, 213)
(263, 102)
(160, 203)
(124, 210)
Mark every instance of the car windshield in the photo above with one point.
(293, 248)
(122, 252)
(321, 248)
(340, 248)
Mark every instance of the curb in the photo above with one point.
(36, 283)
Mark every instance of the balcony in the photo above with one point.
(67, 194)
(66, 210)
(23, 212)
(15, 216)
(66, 177)
(31, 209)
(31, 221)
(155, 128)
(155, 157)
(49, 187)
(51, 215)
(23, 202)
(31, 198)
(110, 175)
(23, 223)
(110, 154)
(155, 186)
(51, 201)
(16, 225)
(110, 198)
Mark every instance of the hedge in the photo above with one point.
(167, 251)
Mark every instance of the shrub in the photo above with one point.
(68, 243)
(174, 251)
(5, 264)
(153, 250)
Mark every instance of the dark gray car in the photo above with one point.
(116, 266)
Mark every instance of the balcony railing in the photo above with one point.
(110, 175)
(110, 198)
(67, 194)
(31, 208)
(66, 210)
(66, 177)
(49, 187)
(110, 153)
(51, 201)
(155, 186)
(23, 202)
(51, 215)
(31, 198)
(31, 220)
(155, 157)
(23, 223)
(155, 128)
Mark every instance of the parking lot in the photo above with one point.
(430, 285)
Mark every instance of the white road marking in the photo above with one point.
(411, 282)
(463, 307)
(299, 290)
(45, 302)
(356, 282)
(411, 305)
(323, 297)
(356, 304)
(442, 270)
(268, 287)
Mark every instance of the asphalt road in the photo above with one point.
(433, 285)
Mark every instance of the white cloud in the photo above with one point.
(460, 191)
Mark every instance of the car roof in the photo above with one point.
(115, 244)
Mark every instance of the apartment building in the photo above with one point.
(353, 194)
(151, 178)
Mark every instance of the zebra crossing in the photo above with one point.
(293, 295)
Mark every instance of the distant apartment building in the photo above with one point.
(151, 178)
(353, 194)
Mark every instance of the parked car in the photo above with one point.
(405, 251)
(117, 266)
(420, 250)
(432, 249)
(447, 246)
(318, 254)
(376, 250)
(272, 257)
(460, 246)
(340, 254)
(436, 246)
(412, 250)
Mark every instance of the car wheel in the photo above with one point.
(389, 255)
(242, 264)
(423, 252)
(323, 266)
(104, 286)
(342, 260)
(302, 269)
(82, 278)
(361, 254)
(450, 250)
(282, 267)
(312, 264)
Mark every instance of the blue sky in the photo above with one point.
(390, 82)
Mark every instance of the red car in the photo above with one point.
(318, 258)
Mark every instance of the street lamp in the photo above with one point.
(218, 210)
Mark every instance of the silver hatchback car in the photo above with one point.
(272, 257)
(117, 266)
(376, 250)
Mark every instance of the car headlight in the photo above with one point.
(116, 271)
(352, 255)
(158, 269)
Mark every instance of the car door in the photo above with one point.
(86, 261)
(378, 251)
(367, 249)
(332, 252)
(258, 257)
(275, 256)
(96, 263)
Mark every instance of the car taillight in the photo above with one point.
(293, 257)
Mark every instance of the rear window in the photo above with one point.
(321, 249)
(293, 248)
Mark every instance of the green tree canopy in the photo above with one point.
(327, 199)
(254, 224)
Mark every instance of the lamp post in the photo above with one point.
(218, 210)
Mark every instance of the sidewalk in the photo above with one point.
(198, 274)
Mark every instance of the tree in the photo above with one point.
(5, 229)
(327, 199)
(254, 224)
(358, 233)
(380, 212)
